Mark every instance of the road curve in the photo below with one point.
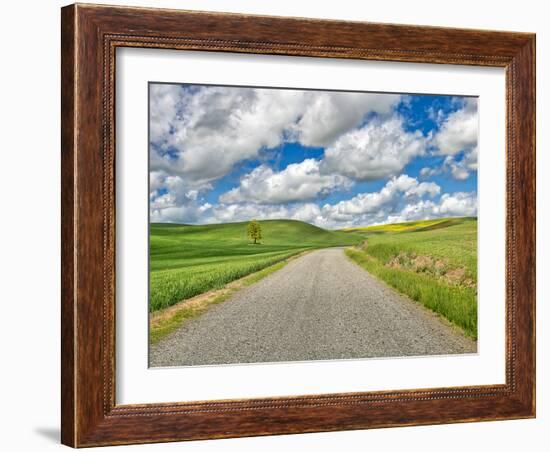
(319, 306)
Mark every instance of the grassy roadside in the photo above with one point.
(435, 264)
(162, 323)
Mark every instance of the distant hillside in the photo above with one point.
(411, 226)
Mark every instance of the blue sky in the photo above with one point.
(334, 159)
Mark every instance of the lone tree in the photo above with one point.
(254, 231)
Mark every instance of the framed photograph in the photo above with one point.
(281, 225)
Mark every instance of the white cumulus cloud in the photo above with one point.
(330, 114)
(403, 198)
(172, 199)
(459, 130)
(380, 148)
(458, 204)
(297, 182)
(308, 212)
(457, 139)
(213, 128)
(201, 132)
(366, 208)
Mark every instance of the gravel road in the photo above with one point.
(319, 306)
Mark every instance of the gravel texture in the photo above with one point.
(320, 306)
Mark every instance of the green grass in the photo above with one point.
(433, 262)
(189, 260)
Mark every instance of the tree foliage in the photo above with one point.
(254, 231)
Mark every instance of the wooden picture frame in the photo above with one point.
(90, 35)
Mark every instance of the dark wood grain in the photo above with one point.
(67, 226)
(90, 36)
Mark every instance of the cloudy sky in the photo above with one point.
(334, 159)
